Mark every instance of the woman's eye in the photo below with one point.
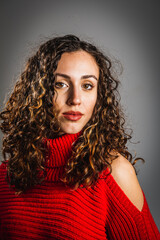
(87, 86)
(60, 85)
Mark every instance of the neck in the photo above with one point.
(58, 152)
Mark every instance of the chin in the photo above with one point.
(71, 130)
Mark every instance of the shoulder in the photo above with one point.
(3, 168)
(2, 165)
(124, 174)
(3, 172)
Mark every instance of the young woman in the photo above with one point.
(67, 173)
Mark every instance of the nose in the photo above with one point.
(74, 97)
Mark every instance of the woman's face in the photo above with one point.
(76, 83)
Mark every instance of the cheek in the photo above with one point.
(57, 102)
(91, 103)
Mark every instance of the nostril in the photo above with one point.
(74, 98)
(73, 101)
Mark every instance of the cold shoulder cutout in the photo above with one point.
(125, 176)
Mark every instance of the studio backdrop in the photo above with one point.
(125, 30)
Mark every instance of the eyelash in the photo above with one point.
(57, 85)
(88, 84)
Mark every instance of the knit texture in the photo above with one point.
(54, 211)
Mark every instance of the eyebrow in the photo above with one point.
(68, 77)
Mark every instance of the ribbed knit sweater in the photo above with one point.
(53, 211)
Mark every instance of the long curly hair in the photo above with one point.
(29, 116)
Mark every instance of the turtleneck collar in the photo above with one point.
(59, 149)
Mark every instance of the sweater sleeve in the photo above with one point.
(124, 220)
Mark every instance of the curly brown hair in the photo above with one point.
(29, 117)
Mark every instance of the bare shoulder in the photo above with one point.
(124, 174)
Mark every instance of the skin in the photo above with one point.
(75, 93)
(125, 176)
(76, 83)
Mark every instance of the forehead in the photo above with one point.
(79, 61)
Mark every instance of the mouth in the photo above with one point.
(72, 116)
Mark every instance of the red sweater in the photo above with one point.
(53, 211)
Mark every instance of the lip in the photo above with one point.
(72, 115)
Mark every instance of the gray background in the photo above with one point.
(127, 30)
